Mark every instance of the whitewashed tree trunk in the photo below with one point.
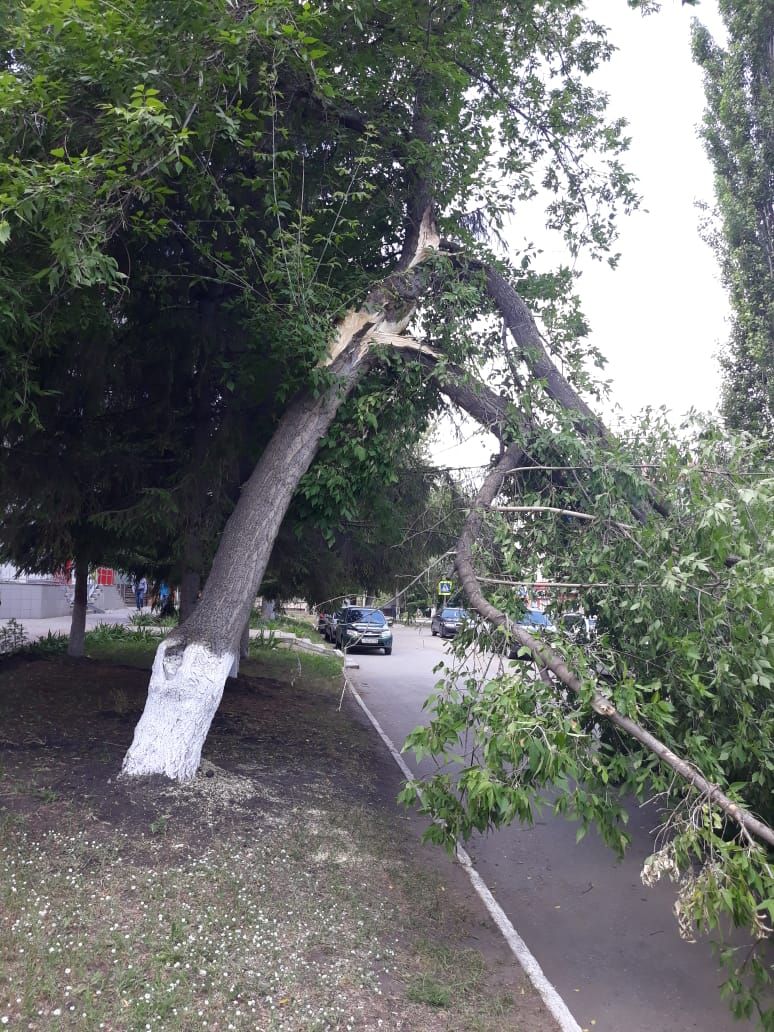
(185, 690)
(192, 665)
(267, 609)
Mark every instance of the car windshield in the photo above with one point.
(535, 618)
(573, 620)
(453, 614)
(372, 616)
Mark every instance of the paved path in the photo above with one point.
(607, 943)
(61, 624)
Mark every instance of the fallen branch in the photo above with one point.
(562, 584)
(559, 512)
(547, 659)
(543, 508)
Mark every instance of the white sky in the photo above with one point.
(660, 316)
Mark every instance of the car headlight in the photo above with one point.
(386, 632)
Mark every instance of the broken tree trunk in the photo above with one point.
(524, 331)
(192, 664)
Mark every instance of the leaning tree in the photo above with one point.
(484, 108)
(305, 157)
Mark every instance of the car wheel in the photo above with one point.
(433, 632)
(388, 652)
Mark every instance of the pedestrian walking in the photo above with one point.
(166, 602)
(140, 590)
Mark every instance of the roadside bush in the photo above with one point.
(54, 644)
(13, 637)
(119, 632)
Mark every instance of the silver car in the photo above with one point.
(329, 629)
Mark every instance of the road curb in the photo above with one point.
(528, 962)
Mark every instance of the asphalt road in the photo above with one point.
(608, 944)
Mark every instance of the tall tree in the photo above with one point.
(739, 136)
(76, 459)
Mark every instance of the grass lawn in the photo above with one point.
(281, 889)
(302, 624)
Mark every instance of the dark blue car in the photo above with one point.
(536, 623)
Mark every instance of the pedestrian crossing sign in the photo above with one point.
(444, 587)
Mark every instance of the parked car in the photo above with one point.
(538, 624)
(329, 631)
(578, 627)
(325, 622)
(362, 628)
(448, 621)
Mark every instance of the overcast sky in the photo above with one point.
(660, 316)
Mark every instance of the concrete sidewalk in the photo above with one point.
(35, 629)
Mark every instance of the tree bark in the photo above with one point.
(76, 643)
(523, 329)
(190, 585)
(191, 665)
(244, 644)
(490, 409)
(243, 652)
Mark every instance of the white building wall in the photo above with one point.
(24, 600)
(31, 596)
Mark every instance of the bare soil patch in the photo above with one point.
(281, 889)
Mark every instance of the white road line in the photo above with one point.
(520, 950)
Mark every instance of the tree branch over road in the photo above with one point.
(546, 658)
